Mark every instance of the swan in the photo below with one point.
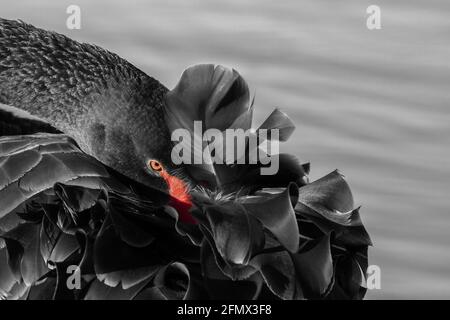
(87, 184)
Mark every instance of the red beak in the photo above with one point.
(182, 202)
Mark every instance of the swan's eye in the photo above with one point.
(155, 165)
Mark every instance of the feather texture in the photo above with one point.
(76, 199)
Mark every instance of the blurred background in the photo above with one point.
(375, 104)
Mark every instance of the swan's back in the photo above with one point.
(87, 92)
(42, 68)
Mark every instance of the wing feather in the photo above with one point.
(30, 164)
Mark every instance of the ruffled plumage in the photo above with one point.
(257, 237)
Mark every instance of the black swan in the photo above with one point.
(87, 184)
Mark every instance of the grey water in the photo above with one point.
(373, 103)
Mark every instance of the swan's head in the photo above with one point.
(142, 160)
(178, 186)
(142, 131)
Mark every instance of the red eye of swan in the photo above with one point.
(155, 165)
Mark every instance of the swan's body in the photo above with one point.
(61, 207)
(113, 110)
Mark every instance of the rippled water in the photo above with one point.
(375, 104)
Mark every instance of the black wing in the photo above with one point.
(32, 164)
(11, 124)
